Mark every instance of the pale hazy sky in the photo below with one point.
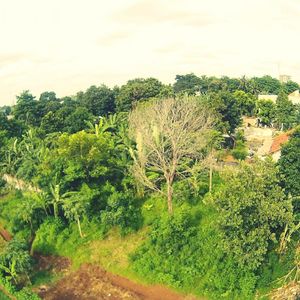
(68, 45)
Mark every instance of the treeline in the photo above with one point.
(69, 114)
(144, 156)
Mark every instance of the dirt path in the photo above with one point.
(92, 283)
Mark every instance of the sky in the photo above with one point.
(68, 45)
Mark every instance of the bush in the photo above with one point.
(15, 261)
(240, 151)
(188, 256)
(56, 238)
(23, 294)
(47, 236)
(122, 210)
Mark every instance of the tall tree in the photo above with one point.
(26, 109)
(253, 210)
(267, 84)
(100, 101)
(266, 111)
(289, 164)
(48, 96)
(189, 83)
(290, 86)
(137, 90)
(228, 110)
(285, 112)
(170, 134)
(246, 102)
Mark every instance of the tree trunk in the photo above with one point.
(55, 210)
(79, 228)
(170, 195)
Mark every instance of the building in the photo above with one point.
(284, 78)
(278, 142)
(295, 97)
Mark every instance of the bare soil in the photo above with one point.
(5, 234)
(55, 264)
(93, 283)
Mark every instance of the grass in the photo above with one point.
(112, 253)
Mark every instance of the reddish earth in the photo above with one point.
(5, 234)
(92, 283)
(55, 264)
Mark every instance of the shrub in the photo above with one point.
(188, 256)
(240, 151)
(122, 210)
(47, 236)
(15, 261)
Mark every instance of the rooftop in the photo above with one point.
(279, 140)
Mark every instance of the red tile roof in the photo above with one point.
(278, 141)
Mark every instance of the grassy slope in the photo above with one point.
(111, 253)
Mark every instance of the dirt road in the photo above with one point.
(92, 283)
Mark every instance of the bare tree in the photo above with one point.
(170, 135)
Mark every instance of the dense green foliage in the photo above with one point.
(289, 164)
(69, 168)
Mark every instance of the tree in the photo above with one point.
(290, 86)
(100, 101)
(246, 102)
(266, 111)
(88, 158)
(4, 123)
(6, 110)
(26, 109)
(289, 164)
(56, 198)
(48, 96)
(227, 110)
(267, 84)
(77, 120)
(170, 134)
(52, 122)
(137, 90)
(253, 210)
(75, 204)
(189, 83)
(285, 112)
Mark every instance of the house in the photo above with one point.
(294, 97)
(278, 142)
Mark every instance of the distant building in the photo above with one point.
(295, 97)
(284, 78)
(278, 142)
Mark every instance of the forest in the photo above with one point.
(134, 179)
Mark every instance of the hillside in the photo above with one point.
(151, 191)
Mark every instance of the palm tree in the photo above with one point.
(75, 204)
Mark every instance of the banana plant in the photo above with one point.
(10, 270)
